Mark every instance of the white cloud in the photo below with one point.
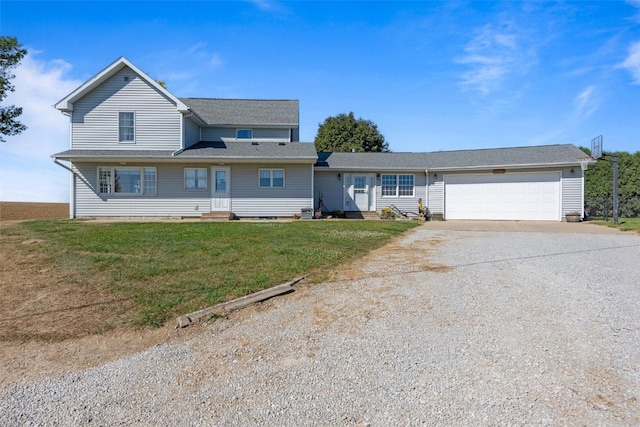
(585, 103)
(27, 172)
(635, 3)
(632, 62)
(492, 55)
(267, 5)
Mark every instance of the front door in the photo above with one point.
(360, 192)
(221, 188)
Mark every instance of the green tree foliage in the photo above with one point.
(598, 186)
(344, 133)
(11, 53)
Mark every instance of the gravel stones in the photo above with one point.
(439, 327)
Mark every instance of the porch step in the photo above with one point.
(361, 215)
(216, 216)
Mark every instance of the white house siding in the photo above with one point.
(259, 134)
(330, 188)
(571, 191)
(94, 121)
(436, 194)
(248, 200)
(191, 133)
(171, 198)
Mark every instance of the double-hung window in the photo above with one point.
(271, 178)
(389, 185)
(195, 178)
(126, 127)
(127, 180)
(397, 185)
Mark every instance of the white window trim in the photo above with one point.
(397, 190)
(206, 180)
(284, 180)
(244, 129)
(112, 184)
(132, 141)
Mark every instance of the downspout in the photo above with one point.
(72, 195)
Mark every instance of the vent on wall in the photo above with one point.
(126, 78)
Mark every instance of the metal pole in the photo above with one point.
(615, 190)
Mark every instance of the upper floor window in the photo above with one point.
(126, 127)
(244, 133)
(195, 178)
(271, 178)
(127, 180)
(397, 185)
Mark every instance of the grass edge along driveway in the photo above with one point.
(106, 275)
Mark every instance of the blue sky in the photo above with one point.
(432, 75)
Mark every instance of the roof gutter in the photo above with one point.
(509, 166)
(57, 162)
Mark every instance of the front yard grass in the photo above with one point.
(87, 277)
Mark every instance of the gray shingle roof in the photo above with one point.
(544, 155)
(405, 161)
(245, 112)
(242, 151)
(512, 156)
(249, 150)
(112, 154)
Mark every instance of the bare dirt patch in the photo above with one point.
(19, 211)
(48, 324)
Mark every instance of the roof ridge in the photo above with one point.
(498, 148)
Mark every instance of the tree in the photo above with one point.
(344, 133)
(598, 185)
(11, 53)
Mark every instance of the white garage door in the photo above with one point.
(531, 196)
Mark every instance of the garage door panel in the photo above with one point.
(534, 196)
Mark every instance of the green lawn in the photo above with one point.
(624, 224)
(166, 269)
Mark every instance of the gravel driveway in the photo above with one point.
(444, 326)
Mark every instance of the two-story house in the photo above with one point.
(138, 150)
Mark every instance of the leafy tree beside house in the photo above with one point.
(598, 187)
(344, 133)
(11, 53)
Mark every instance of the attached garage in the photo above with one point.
(508, 196)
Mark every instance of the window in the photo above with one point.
(397, 185)
(271, 178)
(405, 185)
(389, 184)
(221, 182)
(127, 180)
(244, 134)
(195, 178)
(126, 127)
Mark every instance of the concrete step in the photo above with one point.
(361, 215)
(216, 216)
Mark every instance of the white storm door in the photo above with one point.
(360, 192)
(221, 188)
